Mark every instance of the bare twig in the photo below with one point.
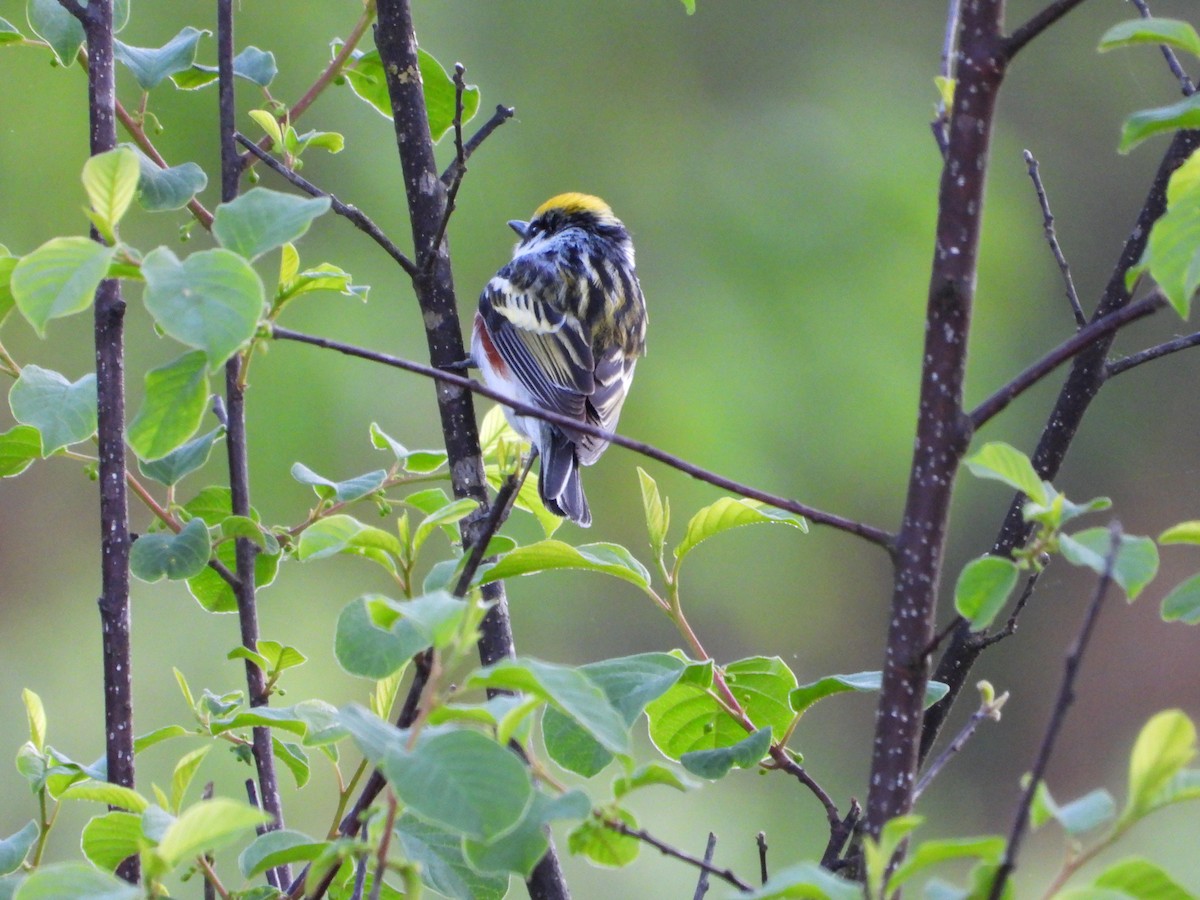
(702, 885)
(459, 167)
(1081, 340)
(1185, 83)
(867, 532)
(1117, 366)
(499, 117)
(1066, 696)
(384, 842)
(988, 709)
(1031, 165)
(357, 217)
(1010, 627)
(496, 515)
(1037, 24)
(666, 849)
(761, 840)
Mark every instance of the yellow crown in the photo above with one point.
(575, 203)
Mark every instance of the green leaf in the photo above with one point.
(106, 792)
(185, 771)
(7, 264)
(805, 880)
(1172, 253)
(19, 447)
(929, 853)
(1164, 746)
(205, 826)
(567, 688)
(57, 27)
(1134, 568)
(162, 189)
(343, 491)
(629, 683)
(157, 736)
(59, 279)
(1001, 462)
(658, 512)
(376, 636)
(544, 556)
(35, 715)
(1171, 32)
(452, 512)
(256, 65)
(9, 34)
(731, 512)
(1181, 605)
(1093, 810)
(211, 301)
(602, 845)
(261, 220)
(520, 850)
(1141, 879)
(14, 848)
(316, 721)
(1148, 122)
(345, 534)
(75, 881)
(211, 591)
(110, 180)
(172, 556)
(438, 852)
(268, 123)
(714, 764)
(111, 838)
(983, 588)
(458, 779)
(440, 96)
(806, 695)
(276, 848)
(177, 464)
(63, 412)
(296, 760)
(175, 400)
(649, 775)
(1183, 533)
(152, 65)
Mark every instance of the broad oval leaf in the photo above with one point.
(543, 556)
(1003, 462)
(1140, 879)
(177, 464)
(276, 848)
(1164, 746)
(439, 852)
(63, 412)
(162, 189)
(732, 512)
(261, 220)
(715, 764)
(110, 180)
(983, 588)
(152, 65)
(173, 556)
(211, 301)
(1182, 604)
(806, 695)
(74, 881)
(175, 400)
(344, 491)
(19, 447)
(1135, 565)
(207, 825)
(59, 279)
(14, 848)
(1171, 32)
(111, 838)
(1148, 122)
(603, 845)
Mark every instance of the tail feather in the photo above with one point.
(559, 484)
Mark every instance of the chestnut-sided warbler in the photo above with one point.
(561, 327)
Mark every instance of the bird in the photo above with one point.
(561, 327)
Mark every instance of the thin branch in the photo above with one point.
(1066, 696)
(384, 843)
(1031, 165)
(666, 849)
(459, 166)
(1185, 83)
(867, 532)
(356, 216)
(238, 456)
(761, 840)
(782, 760)
(831, 858)
(1117, 366)
(1037, 24)
(702, 885)
(496, 515)
(987, 710)
(1010, 628)
(499, 117)
(138, 133)
(1075, 344)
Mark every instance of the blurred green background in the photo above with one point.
(775, 165)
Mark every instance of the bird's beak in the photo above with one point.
(519, 227)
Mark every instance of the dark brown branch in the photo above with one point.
(761, 840)
(1037, 24)
(499, 117)
(1010, 627)
(943, 430)
(501, 506)
(831, 858)
(868, 532)
(459, 166)
(238, 456)
(1185, 83)
(710, 848)
(1066, 696)
(666, 849)
(109, 341)
(1031, 165)
(356, 216)
(1116, 367)
(1095, 331)
(1087, 375)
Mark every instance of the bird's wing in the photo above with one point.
(546, 349)
(613, 375)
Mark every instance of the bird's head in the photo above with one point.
(565, 212)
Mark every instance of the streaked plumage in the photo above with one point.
(561, 326)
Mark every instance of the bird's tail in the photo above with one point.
(559, 484)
